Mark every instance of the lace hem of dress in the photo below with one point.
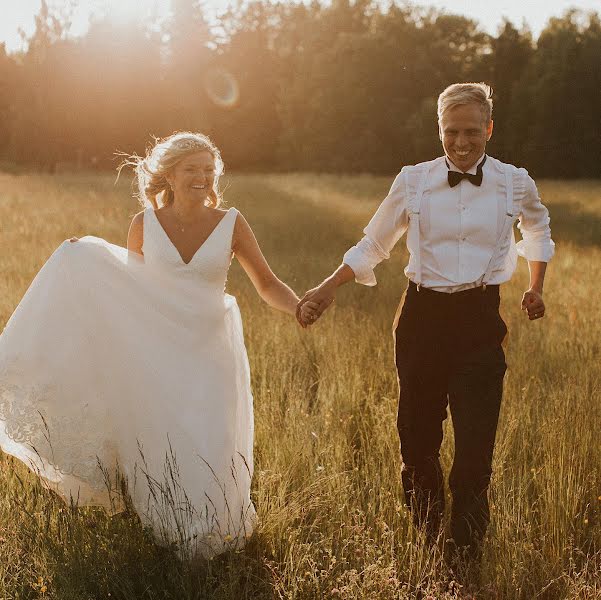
(50, 443)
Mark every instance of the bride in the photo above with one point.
(123, 373)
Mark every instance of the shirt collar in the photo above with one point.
(471, 171)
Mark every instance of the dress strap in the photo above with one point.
(146, 217)
(232, 214)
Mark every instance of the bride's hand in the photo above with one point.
(74, 239)
(308, 313)
(318, 299)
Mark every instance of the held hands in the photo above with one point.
(313, 304)
(532, 302)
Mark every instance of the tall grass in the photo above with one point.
(332, 522)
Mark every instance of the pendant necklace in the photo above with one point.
(181, 224)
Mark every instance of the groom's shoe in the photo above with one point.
(423, 487)
(464, 562)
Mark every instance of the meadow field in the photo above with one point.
(332, 523)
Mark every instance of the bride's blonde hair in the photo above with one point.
(152, 170)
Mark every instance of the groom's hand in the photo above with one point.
(532, 302)
(314, 303)
(306, 314)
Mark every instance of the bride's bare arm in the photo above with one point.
(135, 237)
(271, 289)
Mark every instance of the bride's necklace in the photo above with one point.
(181, 224)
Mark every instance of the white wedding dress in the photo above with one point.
(112, 360)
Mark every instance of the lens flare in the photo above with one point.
(221, 87)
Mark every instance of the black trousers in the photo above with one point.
(448, 352)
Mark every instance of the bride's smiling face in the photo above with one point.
(193, 176)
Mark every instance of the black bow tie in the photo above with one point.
(455, 177)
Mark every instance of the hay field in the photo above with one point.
(327, 479)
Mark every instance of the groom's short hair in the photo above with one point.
(466, 93)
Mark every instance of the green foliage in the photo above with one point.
(347, 86)
(565, 76)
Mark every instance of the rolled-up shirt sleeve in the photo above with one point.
(387, 225)
(536, 243)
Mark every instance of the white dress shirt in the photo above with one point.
(459, 227)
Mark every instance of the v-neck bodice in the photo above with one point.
(211, 260)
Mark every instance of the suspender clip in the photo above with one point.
(418, 285)
(483, 287)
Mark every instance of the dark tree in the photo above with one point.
(347, 86)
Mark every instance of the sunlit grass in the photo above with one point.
(327, 486)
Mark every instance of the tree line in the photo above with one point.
(342, 87)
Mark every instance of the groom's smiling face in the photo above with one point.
(464, 132)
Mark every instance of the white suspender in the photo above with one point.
(507, 225)
(413, 234)
(413, 237)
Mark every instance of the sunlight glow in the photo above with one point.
(19, 15)
(123, 11)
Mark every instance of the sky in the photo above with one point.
(17, 14)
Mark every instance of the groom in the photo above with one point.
(458, 211)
